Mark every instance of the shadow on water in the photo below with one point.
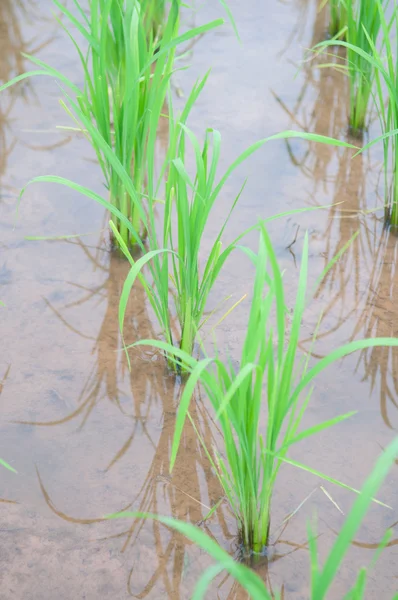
(148, 384)
(307, 11)
(362, 284)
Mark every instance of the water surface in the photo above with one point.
(87, 436)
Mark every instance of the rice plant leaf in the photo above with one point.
(168, 348)
(322, 476)
(236, 384)
(205, 580)
(312, 137)
(21, 78)
(336, 355)
(83, 190)
(185, 37)
(380, 138)
(184, 405)
(7, 466)
(316, 429)
(77, 24)
(335, 259)
(130, 279)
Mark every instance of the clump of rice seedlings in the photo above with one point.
(127, 74)
(270, 377)
(321, 577)
(125, 90)
(361, 31)
(385, 68)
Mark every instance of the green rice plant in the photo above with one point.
(175, 255)
(362, 30)
(384, 64)
(321, 577)
(125, 90)
(127, 75)
(270, 377)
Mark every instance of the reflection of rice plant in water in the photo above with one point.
(362, 31)
(321, 577)
(12, 46)
(379, 317)
(155, 491)
(249, 464)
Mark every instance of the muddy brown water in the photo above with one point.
(87, 436)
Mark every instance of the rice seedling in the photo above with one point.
(268, 374)
(362, 30)
(125, 89)
(321, 577)
(384, 64)
(176, 256)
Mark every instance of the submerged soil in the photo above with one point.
(87, 436)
